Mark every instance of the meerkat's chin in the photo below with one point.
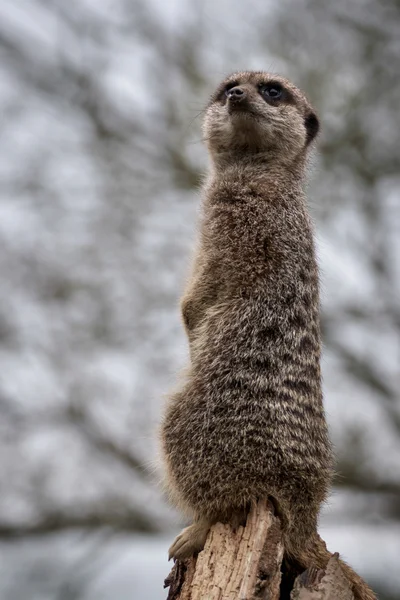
(244, 124)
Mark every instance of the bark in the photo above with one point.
(246, 565)
(242, 564)
(318, 584)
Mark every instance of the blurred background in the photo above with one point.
(101, 159)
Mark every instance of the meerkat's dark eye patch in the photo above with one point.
(271, 91)
(312, 126)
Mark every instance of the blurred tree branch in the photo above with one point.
(129, 521)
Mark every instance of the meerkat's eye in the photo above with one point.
(271, 91)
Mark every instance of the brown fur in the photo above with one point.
(248, 421)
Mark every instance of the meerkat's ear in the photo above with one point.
(311, 123)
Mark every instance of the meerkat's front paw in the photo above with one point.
(190, 541)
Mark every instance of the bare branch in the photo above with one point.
(132, 521)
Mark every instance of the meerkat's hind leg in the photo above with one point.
(190, 541)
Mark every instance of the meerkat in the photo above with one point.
(248, 420)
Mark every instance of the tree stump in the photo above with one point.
(241, 564)
(318, 584)
(246, 565)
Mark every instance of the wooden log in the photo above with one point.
(319, 584)
(234, 565)
(246, 565)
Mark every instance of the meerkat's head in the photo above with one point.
(259, 113)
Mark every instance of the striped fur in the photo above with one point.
(248, 420)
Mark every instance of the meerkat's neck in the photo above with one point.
(262, 166)
(268, 176)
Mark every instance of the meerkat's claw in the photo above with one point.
(190, 541)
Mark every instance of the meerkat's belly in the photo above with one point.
(250, 422)
(243, 446)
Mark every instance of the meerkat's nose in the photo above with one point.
(236, 94)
